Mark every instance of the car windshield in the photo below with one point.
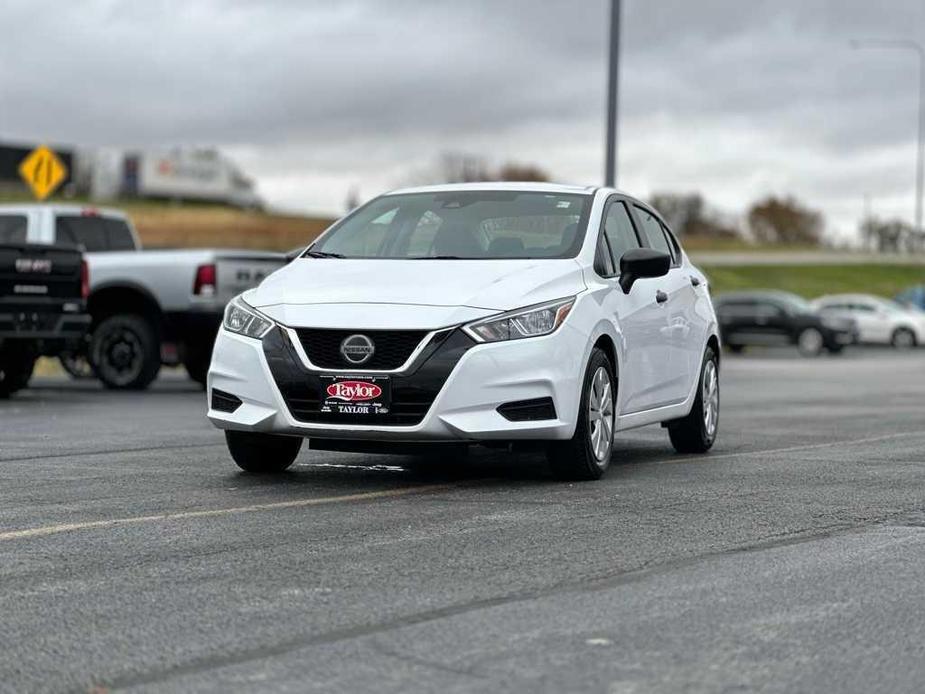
(486, 224)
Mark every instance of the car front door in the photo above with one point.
(874, 324)
(638, 314)
(679, 342)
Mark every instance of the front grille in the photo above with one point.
(413, 392)
(392, 347)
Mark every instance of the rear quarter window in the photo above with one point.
(94, 233)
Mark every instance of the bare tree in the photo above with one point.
(458, 167)
(784, 220)
(688, 215)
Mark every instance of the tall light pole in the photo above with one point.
(613, 91)
(910, 45)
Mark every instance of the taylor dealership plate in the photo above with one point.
(356, 395)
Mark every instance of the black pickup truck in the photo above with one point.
(43, 293)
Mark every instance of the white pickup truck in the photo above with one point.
(149, 307)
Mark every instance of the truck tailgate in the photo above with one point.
(237, 273)
(31, 273)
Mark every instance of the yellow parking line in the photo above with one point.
(42, 531)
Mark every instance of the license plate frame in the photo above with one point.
(350, 395)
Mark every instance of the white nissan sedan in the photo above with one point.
(479, 313)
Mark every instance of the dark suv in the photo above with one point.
(779, 318)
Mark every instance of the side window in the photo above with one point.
(618, 228)
(13, 228)
(767, 309)
(673, 245)
(603, 263)
(652, 231)
(89, 232)
(736, 309)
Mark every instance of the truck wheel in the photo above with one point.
(262, 453)
(16, 364)
(587, 454)
(76, 365)
(197, 365)
(125, 352)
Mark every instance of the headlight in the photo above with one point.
(243, 320)
(532, 321)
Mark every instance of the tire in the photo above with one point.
(903, 338)
(125, 352)
(810, 342)
(696, 432)
(76, 365)
(586, 456)
(197, 365)
(262, 454)
(16, 364)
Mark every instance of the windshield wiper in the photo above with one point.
(324, 254)
(437, 257)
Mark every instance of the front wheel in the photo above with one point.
(696, 432)
(586, 456)
(262, 453)
(903, 338)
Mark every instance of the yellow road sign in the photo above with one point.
(42, 171)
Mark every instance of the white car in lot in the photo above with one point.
(476, 313)
(879, 321)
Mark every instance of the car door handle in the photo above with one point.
(661, 297)
(695, 281)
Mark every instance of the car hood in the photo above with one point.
(326, 291)
(491, 284)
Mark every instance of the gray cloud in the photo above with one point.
(734, 99)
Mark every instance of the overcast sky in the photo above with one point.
(733, 99)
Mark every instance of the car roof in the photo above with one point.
(496, 185)
(757, 294)
(851, 297)
(65, 209)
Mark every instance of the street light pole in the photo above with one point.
(613, 92)
(908, 44)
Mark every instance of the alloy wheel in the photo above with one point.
(710, 397)
(600, 416)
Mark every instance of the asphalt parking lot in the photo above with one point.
(134, 555)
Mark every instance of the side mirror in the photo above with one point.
(642, 262)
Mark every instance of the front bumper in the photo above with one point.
(474, 380)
